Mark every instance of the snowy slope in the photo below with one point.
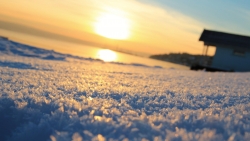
(46, 95)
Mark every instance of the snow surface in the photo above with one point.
(46, 95)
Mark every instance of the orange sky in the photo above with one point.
(152, 29)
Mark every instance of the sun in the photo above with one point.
(107, 55)
(112, 26)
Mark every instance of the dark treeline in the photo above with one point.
(183, 58)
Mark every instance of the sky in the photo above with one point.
(151, 26)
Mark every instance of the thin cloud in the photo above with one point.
(157, 28)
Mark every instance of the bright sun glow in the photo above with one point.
(112, 26)
(107, 55)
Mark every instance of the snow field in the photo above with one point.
(77, 99)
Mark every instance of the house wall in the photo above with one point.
(225, 58)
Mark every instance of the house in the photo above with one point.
(232, 51)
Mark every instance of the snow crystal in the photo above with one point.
(83, 99)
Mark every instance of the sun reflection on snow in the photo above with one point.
(99, 118)
(107, 55)
(90, 98)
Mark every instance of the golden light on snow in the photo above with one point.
(112, 25)
(107, 55)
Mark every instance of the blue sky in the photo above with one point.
(155, 26)
(226, 15)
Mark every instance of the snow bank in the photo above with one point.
(76, 99)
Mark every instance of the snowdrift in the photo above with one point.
(46, 95)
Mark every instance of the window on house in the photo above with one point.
(239, 53)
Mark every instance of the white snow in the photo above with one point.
(46, 95)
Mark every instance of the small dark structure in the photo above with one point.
(232, 52)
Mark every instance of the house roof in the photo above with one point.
(215, 38)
